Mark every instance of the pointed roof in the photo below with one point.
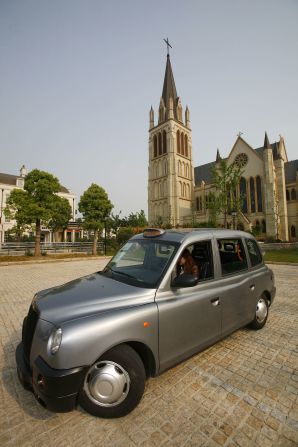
(266, 142)
(218, 157)
(169, 88)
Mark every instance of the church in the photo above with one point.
(178, 192)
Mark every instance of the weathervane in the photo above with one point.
(168, 45)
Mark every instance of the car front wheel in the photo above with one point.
(261, 313)
(114, 384)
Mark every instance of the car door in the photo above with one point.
(189, 318)
(235, 287)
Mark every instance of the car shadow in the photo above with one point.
(23, 398)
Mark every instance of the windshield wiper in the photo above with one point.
(124, 274)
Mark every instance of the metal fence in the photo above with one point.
(27, 248)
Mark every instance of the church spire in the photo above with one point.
(266, 142)
(169, 88)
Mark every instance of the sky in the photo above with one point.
(78, 77)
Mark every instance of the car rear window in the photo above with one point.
(254, 252)
(232, 255)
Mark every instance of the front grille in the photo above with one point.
(29, 326)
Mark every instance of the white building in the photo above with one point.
(8, 182)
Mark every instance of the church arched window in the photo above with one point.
(161, 189)
(259, 194)
(252, 195)
(183, 169)
(293, 231)
(264, 226)
(182, 143)
(165, 191)
(181, 189)
(243, 195)
(155, 169)
(165, 167)
(155, 190)
(184, 190)
(197, 204)
(188, 191)
(178, 141)
(293, 194)
(159, 144)
(179, 167)
(287, 195)
(155, 145)
(187, 171)
(164, 138)
(186, 146)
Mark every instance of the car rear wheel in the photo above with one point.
(114, 385)
(261, 313)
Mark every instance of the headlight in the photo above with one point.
(55, 340)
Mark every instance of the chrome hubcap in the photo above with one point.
(107, 383)
(261, 312)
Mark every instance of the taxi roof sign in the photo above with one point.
(152, 232)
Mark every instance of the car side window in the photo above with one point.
(255, 255)
(197, 259)
(232, 255)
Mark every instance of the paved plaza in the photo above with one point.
(240, 392)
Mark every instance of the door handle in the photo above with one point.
(215, 302)
(252, 287)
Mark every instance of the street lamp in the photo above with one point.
(234, 215)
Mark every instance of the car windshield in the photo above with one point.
(141, 262)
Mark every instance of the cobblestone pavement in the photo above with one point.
(240, 392)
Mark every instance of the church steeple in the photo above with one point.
(169, 87)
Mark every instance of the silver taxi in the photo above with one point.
(163, 297)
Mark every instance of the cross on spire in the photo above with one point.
(168, 45)
(239, 134)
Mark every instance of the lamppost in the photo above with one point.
(105, 238)
(234, 215)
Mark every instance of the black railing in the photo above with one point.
(27, 248)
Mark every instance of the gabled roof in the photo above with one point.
(291, 168)
(169, 88)
(8, 179)
(203, 173)
(274, 147)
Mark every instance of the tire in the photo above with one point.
(114, 384)
(261, 314)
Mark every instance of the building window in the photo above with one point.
(164, 137)
(178, 141)
(287, 195)
(293, 231)
(293, 194)
(186, 146)
(155, 145)
(159, 144)
(264, 226)
(165, 167)
(243, 195)
(259, 194)
(252, 195)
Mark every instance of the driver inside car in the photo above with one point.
(186, 264)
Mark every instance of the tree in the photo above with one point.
(61, 214)
(226, 179)
(37, 203)
(136, 220)
(96, 208)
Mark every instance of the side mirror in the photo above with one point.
(184, 280)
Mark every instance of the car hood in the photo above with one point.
(87, 296)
